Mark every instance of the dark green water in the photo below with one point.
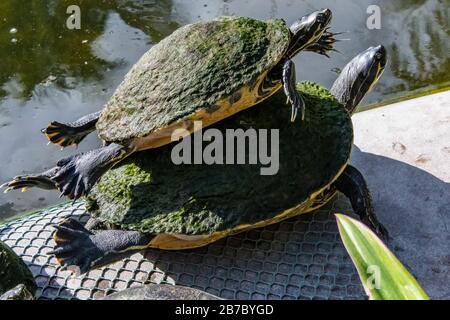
(49, 72)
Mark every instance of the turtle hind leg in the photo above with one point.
(78, 248)
(41, 180)
(71, 133)
(76, 175)
(353, 185)
(64, 135)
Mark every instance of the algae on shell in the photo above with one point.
(150, 194)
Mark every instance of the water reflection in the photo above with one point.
(49, 72)
(420, 47)
(42, 49)
(54, 73)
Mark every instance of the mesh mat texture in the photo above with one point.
(299, 258)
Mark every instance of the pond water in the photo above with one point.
(48, 72)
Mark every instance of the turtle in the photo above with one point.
(149, 202)
(161, 292)
(16, 280)
(205, 71)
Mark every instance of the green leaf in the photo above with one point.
(382, 274)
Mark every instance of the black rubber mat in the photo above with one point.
(300, 258)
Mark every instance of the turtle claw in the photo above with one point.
(80, 249)
(297, 104)
(74, 248)
(76, 175)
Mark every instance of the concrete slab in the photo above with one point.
(404, 152)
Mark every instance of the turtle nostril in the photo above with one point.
(381, 49)
(380, 52)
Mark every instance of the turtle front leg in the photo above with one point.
(293, 96)
(353, 185)
(41, 180)
(67, 134)
(77, 247)
(325, 44)
(76, 175)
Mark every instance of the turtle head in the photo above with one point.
(308, 30)
(373, 62)
(359, 77)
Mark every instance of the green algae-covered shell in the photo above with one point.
(13, 271)
(161, 292)
(150, 194)
(190, 71)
